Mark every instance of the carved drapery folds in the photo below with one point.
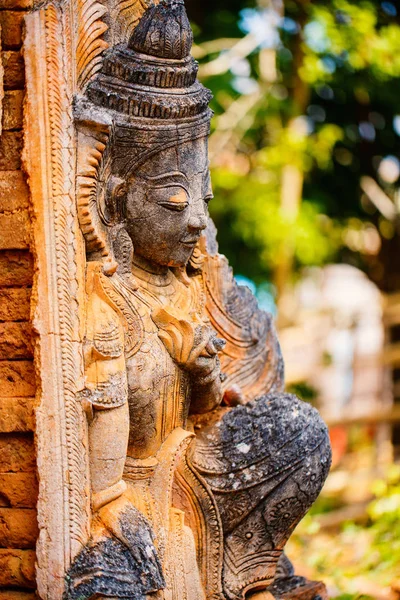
(170, 460)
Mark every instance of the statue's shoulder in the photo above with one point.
(113, 324)
(252, 357)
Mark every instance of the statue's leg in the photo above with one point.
(265, 463)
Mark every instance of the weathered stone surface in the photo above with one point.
(14, 192)
(17, 453)
(12, 109)
(15, 340)
(18, 490)
(14, 72)
(14, 304)
(16, 414)
(14, 229)
(18, 528)
(11, 29)
(16, 268)
(17, 378)
(17, 568)
(10, 150)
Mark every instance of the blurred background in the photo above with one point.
(304, 153)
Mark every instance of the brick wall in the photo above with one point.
(18, 485)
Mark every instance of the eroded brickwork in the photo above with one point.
(18, 484)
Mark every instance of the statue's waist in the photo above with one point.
(140, 468)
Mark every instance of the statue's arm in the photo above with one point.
(108, 438)
(105, 398)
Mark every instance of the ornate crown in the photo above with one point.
(154, 76)
(145, 99)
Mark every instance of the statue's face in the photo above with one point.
(166, 208)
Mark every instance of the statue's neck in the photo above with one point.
(151, 273)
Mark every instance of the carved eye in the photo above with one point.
(173, 198)
(208, 195)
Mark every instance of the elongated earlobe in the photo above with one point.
(115, 200)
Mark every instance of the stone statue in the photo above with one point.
(200, 465)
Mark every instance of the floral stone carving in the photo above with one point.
(198, 465)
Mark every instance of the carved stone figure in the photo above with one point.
(200, 465)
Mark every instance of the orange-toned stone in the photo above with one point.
(14, 192)
(15, 340)
(16, 268)
(11, 29)
(12, 109)
(18, 528)
(14, 304)
(10, 150)
(18, 490)
(14, 229)
(17, 453)
(14, 72)
(16, 414)
(17, 568)
(17, 378)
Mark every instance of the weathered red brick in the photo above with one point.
(16, 414)
(17, 378)
(14, 71)
(14, 192)
(15, 340)
(12, 109)
(16, 268)
(14, 304)
(10, 150)
(11, 28)
(14, 230)
(17, 452)
(17, 568)
(18, 528)
(18, 490)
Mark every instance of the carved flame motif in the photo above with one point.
(99, 26)
(90, 43)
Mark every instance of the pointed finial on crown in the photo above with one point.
(154, 75)
(164, 31)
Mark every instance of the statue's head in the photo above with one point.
(155, 182)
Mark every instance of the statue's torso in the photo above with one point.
(158, 387)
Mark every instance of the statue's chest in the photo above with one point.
(158, 388)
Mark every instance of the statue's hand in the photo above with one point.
(194, 346)
(111, 515)
(203, 362)
(121, 520)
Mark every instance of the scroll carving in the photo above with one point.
(181, 466)
(63, 508)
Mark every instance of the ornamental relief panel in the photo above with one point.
(172, 464)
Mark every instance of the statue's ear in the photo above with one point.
(115, 200)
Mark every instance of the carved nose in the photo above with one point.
(198, 223)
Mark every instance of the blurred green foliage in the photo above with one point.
(367, 551)
(316, 89)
